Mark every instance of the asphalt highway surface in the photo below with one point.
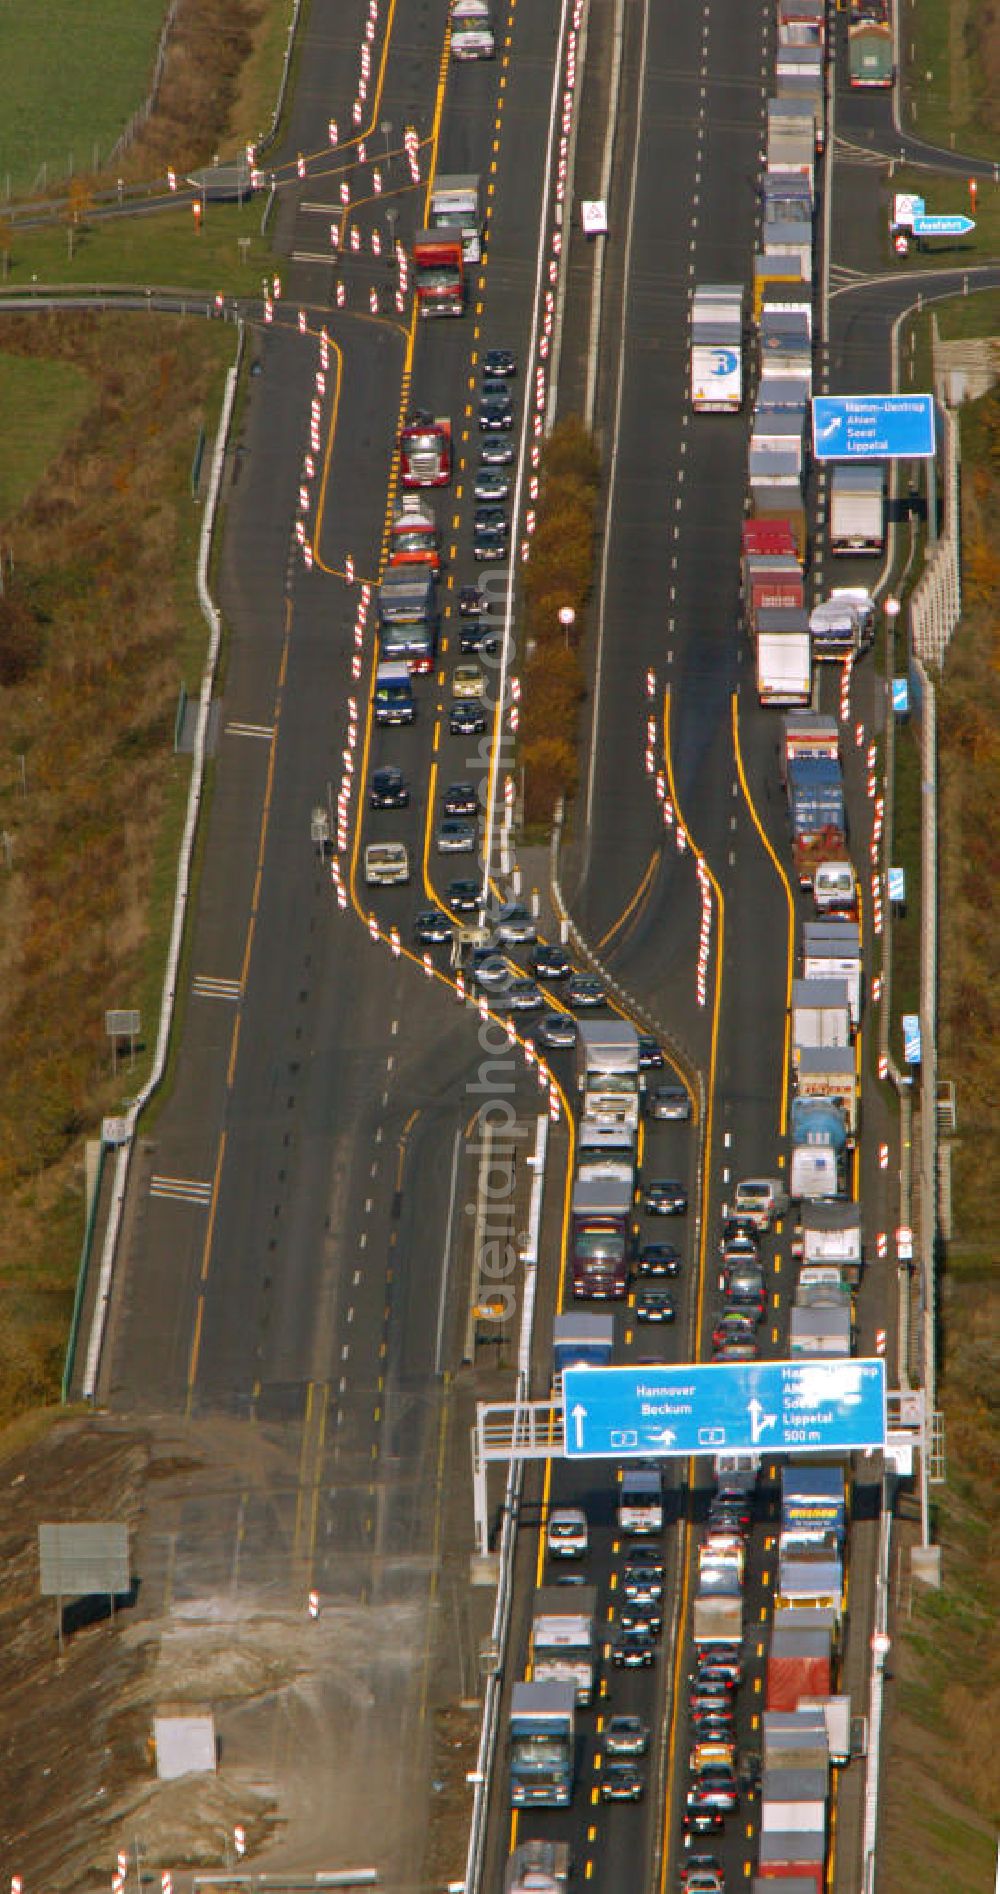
(288, 1241)
(287, 1250)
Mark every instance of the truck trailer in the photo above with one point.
(717, 348)
(542, 1738)
(564, 1638)
(600, 1228)
(857, 508)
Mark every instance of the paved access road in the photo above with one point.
(284, 1282)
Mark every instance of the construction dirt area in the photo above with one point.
(78, 1776)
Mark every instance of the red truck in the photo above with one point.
(439, 273)
(425, 451)
(414, 539)
(772, 581)
(599, 1236)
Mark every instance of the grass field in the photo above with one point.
(940, 1797)
(946, 195)
(941, 91)
(159, 248)
(41, 402)
(72, 77)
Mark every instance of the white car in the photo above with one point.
(387, 864)
(468, 681)
(472, 35)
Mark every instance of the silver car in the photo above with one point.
(456, 835)
(523, 996)
(492, 483)
(515, 926)
(670, 1102)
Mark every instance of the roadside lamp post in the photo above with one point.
(567, 619)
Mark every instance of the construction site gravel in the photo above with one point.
(303, 1773)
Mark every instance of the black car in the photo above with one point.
(471, 601)
(716, 1725)
(463, 896)
(496, 452)
(655, 1305)
(633, 1650)
(475, 635)
(729, 1515)
(716, 1665)
(496, 415)
(489, 518)
(640, 1552)
(499, 362)
(739, 1231)
(489, 543)
(650, 1054)
(551, 963)
(744, 1288)
(626, 1736)
(432, 928)
(700, 1819)
(642, 1580)
(710, 1690)
(656, 1260)
(389, 790)
(466, 718)
(636, 1615)
(585, 989)
(734, 1325)
(664, 1197)
(461, 799)
(622, 1782)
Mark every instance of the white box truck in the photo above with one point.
(717, 348)
(857, 507)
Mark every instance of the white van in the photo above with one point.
(567, 1536)
(761, 1200)
(640, 1501)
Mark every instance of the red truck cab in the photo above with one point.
(439, 273)
(425, 451)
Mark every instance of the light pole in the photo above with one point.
(386, 129)
(567, 619)
(391, 218)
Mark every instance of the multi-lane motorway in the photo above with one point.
(287, 1274)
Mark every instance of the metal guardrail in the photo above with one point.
(271, 134)
(493, 1693)
(880, 1646)
(936, 604)
(123, 1155)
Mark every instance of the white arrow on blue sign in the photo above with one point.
(901, 696)
(911, 1038)
(668, 1412)
(943, 226)
(873, 427)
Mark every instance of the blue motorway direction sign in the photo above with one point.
(667, 1412)
(911, 1038)
(943, 226)
(873, 427)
